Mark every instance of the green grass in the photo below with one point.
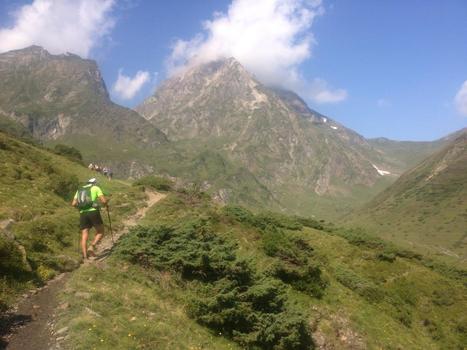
(372, 294)
(147, 314)
(36, 187)
(425, 209)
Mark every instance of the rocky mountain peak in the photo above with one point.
(64, 98)
(214, 85)
(271, 132)
(65, 73)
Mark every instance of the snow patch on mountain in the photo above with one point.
(381, 172)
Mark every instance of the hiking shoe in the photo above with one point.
(91, 251)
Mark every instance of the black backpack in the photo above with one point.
(84, 198)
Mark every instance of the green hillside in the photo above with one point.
(426, 208)
(38, 227)
(200, 276)
(63, 99)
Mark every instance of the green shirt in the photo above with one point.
(96, 192)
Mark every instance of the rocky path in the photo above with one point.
(29, 325)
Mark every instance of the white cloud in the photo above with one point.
(59, 26)
(320, 92)
(126, 87)
(461, 100)
(271, 38)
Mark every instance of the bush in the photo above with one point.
(239, 214)
(255, 317)
(386, 256)
(11, 261)
(307, 279)
(69, 152)
(262, 220)
(359, 237)
(267, 219)
(293, 265)
(155, 182)
(309, 222)
(229, 296)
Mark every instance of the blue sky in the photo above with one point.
(382, 68)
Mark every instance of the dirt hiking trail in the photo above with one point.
(28, 326)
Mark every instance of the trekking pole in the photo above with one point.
(110, 225)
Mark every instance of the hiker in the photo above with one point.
(88, 199)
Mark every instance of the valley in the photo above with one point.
(275, 227)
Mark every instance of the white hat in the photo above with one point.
(92, 180)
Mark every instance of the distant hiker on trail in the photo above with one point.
(109, 174)
(88, 199)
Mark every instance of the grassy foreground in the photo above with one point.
(39, 230)
(198, 276)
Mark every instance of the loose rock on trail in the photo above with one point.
(29, 325)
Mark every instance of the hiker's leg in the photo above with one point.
(84, 240)
(99, 234)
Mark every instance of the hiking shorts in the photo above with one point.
(90, 219)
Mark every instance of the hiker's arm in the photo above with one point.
(104, 201)
(74, 202)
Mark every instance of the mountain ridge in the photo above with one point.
(271, 132)
(274, 148)
(63, 98)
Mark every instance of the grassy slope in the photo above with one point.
(428, 213)
(35, 192)
(373, 299)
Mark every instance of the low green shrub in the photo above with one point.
(69, 152)
(267, 219)
(307, 279)
(264, 220)
(229, 296)
(10, 257)
(386, 256)
(293, 263)
(359, 237)
(255, 317)
(239, 214)
(309, 222)
(158, 183)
